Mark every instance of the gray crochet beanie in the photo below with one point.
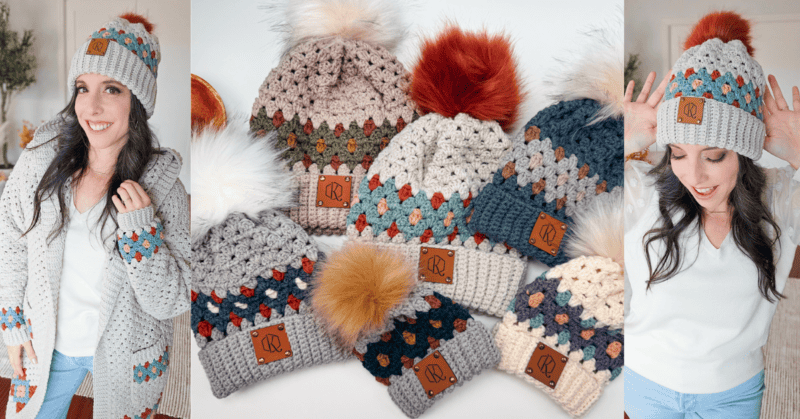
(251, 270)
(716, 94)
(126, 50)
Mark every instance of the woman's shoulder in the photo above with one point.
(162, 172)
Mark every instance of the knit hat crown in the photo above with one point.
(716, 94)
(126, 50)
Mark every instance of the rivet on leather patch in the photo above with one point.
(334, 191)
(546, 365)
(547, 233)
(690, 110)
(97, 46)
(436, 265)
(434, 374)
(271, 344)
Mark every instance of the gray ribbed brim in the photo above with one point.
(120, 64)
(231, 364)
(723, 126)
(467, 354)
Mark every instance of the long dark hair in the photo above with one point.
(750, 217)
(72, 157)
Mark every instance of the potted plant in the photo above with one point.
(17, 66)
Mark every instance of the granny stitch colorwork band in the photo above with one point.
(551, 340)
(335, 103)
(715, 97)
(559, 163)
(432, 347)
(126, 51)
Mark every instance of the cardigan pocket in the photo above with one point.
(150, 366)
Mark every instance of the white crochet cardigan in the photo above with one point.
(146, 279)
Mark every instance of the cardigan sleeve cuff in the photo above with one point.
(16, 335)
(137, 219)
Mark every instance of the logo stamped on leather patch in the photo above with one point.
(434, 374)
(97, 46)
(690, 110)
(547, 233)
(436, 265)
(546, 365)
(271, 344)
(334, 191)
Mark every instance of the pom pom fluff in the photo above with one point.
(726, 26)
(375, 21)
(235, 172)
(357, 287)
(472, 73)
(135, 18)
(598, 230)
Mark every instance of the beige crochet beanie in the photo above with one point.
(336, 99)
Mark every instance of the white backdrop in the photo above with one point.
(233, 48)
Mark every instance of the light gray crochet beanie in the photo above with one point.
(126, 50)
(716, 94)
(251, 267)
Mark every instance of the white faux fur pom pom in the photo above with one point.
(375, 21)
(234, 172)
(599, 229)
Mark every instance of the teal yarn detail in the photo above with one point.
(142, 245)
(132, 43)
(588, 352)
(614, 332)
(615, 373)
(563, 298)
(399, 212)
(152, 369)
(537, 321)
(511, 306)
(713, 88)
(588, 323)
(563, 337)
(12, 318)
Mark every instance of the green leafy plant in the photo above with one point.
(17, 66)
(632, 73)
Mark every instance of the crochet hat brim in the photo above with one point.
(467, 354)
(576, 390)
(232, 363)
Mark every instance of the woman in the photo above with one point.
(710, 236)
(94, 240)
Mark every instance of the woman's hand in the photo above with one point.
(15, 356)
(640, 116)
(783, 124)
(130, 197)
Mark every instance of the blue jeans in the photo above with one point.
(645, 399)
(66, 375)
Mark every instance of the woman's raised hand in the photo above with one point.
(783, 124)
(640, 116)
(130, 197)
(15, 356)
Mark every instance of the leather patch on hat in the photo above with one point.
(434, 374)
(546, 365)
(271, 344)
(548, 233)
(690, 110)
(97, 46)
(334, 191)
(436, 265)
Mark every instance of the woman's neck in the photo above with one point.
(103, 161)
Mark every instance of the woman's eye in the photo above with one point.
(674, 157)
(113, 90)
(81, 89)
(717, 159)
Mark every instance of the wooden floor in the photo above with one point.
(81, 407)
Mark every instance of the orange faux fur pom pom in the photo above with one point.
(726, 26)
(357, 287)
(134, 18)
(472, 73)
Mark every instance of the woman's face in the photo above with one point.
(103, 106)
(709, 173)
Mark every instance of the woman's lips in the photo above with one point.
(705, 192)
(98, 126)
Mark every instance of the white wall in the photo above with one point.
(45, 98)
(234, 49)
(775, 31)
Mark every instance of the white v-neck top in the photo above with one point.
(78, 319)
(702, 330)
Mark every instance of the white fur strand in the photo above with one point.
(599, 229)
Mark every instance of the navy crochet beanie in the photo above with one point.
(561, 160)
